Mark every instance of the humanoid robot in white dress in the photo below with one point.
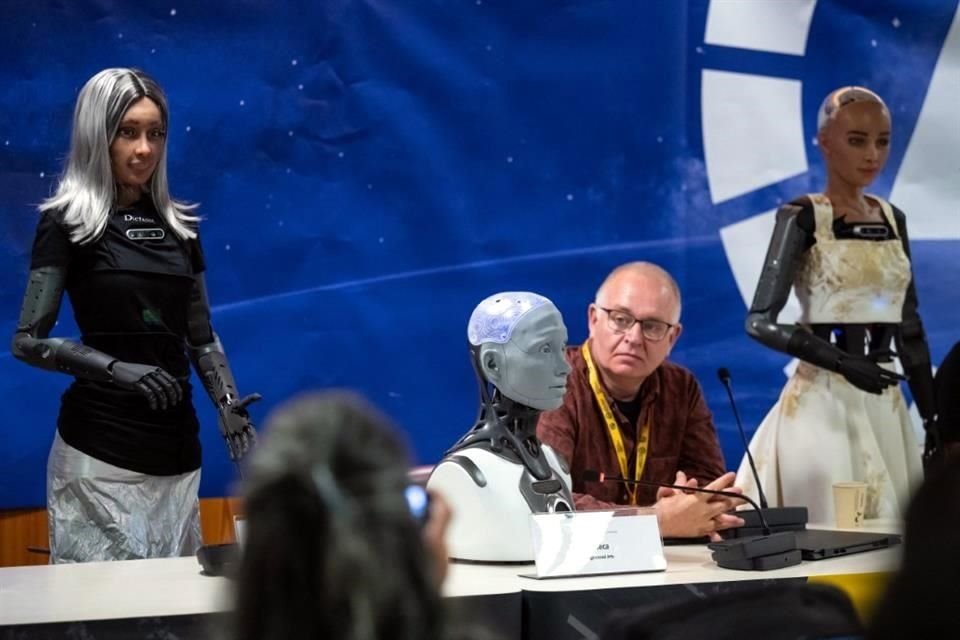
(842, 416)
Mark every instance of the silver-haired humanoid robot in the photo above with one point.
(499, 473)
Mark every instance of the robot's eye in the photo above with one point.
(546, 348)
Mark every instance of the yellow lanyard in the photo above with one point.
(614, 430)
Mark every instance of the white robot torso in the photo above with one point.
(492, 499)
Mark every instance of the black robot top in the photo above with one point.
(130, 291)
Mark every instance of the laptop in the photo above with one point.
(817, 544)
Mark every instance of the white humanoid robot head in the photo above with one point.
(519, 338)
(517, 341)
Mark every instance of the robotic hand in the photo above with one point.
(865, 374)
(934, 449)
(236, 426)
(33, 344)
(211, 365)
(159, 388)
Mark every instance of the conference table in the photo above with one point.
(172, 599)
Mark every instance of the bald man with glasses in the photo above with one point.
(628, 412)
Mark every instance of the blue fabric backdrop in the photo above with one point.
(370, 170)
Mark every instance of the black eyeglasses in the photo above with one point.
(621, 322)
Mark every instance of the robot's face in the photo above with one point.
(856, 143)
(534, 369)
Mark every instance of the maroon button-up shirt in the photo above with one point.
(682, 434)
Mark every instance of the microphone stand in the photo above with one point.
(763, 519)
(771, 550)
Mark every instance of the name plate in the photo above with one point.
(594, 542)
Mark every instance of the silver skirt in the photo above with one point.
(97, 511)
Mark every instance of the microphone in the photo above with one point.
(758, 553)
(783, 518)
(724, 374)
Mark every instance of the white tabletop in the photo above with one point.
(108, 590)
(175, 586)
(691, 564)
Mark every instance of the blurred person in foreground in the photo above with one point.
(333, 549)
(920, 598)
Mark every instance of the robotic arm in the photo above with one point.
(780, 265)
(32, 344)
(211, 365)
(914, 355)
